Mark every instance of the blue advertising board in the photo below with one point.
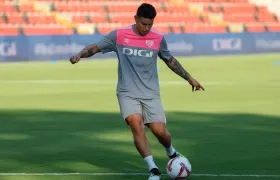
(32, 48)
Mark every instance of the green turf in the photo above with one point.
(75, 125)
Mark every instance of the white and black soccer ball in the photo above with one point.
(179, 168)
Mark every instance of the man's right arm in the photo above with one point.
(107, 44)
(89, 51)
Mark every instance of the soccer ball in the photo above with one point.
(178, 168)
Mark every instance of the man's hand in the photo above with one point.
(196, 86)
(75, 59)
(176, 67)
(88, 51)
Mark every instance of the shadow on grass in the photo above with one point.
(56, 141)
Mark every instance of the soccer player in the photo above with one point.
(137, 47)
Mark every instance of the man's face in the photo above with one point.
(143, 25)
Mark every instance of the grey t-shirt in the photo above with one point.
(137, 55)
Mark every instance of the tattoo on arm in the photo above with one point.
(176, 67)
(89, 51)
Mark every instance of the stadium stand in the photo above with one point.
(65, 17)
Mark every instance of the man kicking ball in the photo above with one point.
(137, 47)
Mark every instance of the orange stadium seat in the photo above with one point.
(121, 18)
(39, 18)
(26, 8)
(105, 28)
(115, 8)
(254, 27)
(266, 18)
(163, 28)
(237, 8)
(202, 28)
(16, 18)
(98, 18)
(8, 31)
(176, 8)
(239, 18)
(78, 7)
(2, 21)
(7, 8)
(273, 27)
(79, 18)
(201, 1)
(262, 9)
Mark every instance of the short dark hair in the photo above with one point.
(146, 10)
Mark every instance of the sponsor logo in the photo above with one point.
(138, 52)
(57, 49)
(229, 44)
(8, 49)
(267, 44)
(149, 43)
(180, 46)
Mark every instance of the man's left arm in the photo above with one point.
(176, 67)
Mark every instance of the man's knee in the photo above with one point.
(159, 129)
(136, 123)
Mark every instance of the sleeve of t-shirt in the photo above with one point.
(164, 52)
(108, 43)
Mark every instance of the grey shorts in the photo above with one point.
(151, 109)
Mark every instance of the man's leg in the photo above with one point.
(155, 119)
(161, 133)
(136, 124)
(131, 110)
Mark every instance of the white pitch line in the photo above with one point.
(136, 174)
(110, 82)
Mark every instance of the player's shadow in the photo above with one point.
(62, 141)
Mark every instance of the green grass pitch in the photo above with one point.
(64, 118)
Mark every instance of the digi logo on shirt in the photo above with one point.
(137, 52)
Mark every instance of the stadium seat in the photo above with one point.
(254, 27)
(39, 18)
(26, 7)
(105, 28)
(7, 7)
(8, 31)
(115, 8)
(202, 28)
(240, 18)
(16, 18)
(46, 30)
(163, 28)
(2, 21)
(80, 18)
(121, 18)
(275, 27)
